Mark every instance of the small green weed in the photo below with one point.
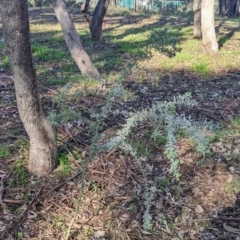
(141, 148)
(47, 54)
(26, 196)
(203, 225)
(110, 207)
(1, 45)
(163, 183)
(201, 68)
(233, 186)
(4, 151)
(182, 133)
(59, 221)
(21, 173)
(22, 144)
(12, 132)
(57, 81)
(88, 232)
(236, 122)
(161, 139)
(6, 62)
(64, 164)
(19, 235)
(131, 207)
(12, 209)
(94, 187)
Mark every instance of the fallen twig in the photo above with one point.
(16, 221)
(1, 188)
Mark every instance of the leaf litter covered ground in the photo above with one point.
(105, 199)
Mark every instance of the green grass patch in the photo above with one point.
(1, 46)
(6, 62)
(65, 166)
(47, 54)
(236, 122)
(4, 151)
(201, 68)
(57, 81)
(163, 183)
(233, 187)
(20, 172)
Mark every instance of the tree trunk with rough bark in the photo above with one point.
(197, 21)
(208, 27)
(96, 19)
(43, 142)
(72, 40)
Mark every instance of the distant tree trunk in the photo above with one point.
(208, 27)
(85, 10)
(222, 7)
(229, 7)
(96, 19)
(43, 147)
(197, 21)
(237, 8)
(135, 5)
(34, 3)
(73, 40)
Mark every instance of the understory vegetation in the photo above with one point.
(149, 151)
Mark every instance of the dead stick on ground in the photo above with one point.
(61, 184)
(15, 222)
(35, 199)
(226, 108)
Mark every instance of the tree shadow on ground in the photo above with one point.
(114, 53)
(224, 39)
(217, 28)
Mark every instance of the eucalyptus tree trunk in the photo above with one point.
(96, 19)
(197, 21)
(208, 27)
(43, 146)
(73, 41)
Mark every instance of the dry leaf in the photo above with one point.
(32, 215)
(199, 209)
(125, 217)
(1, 188)
(235, 152)
(99, 233)
(230, 178)
(231, 229)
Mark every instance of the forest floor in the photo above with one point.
(103, 196)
